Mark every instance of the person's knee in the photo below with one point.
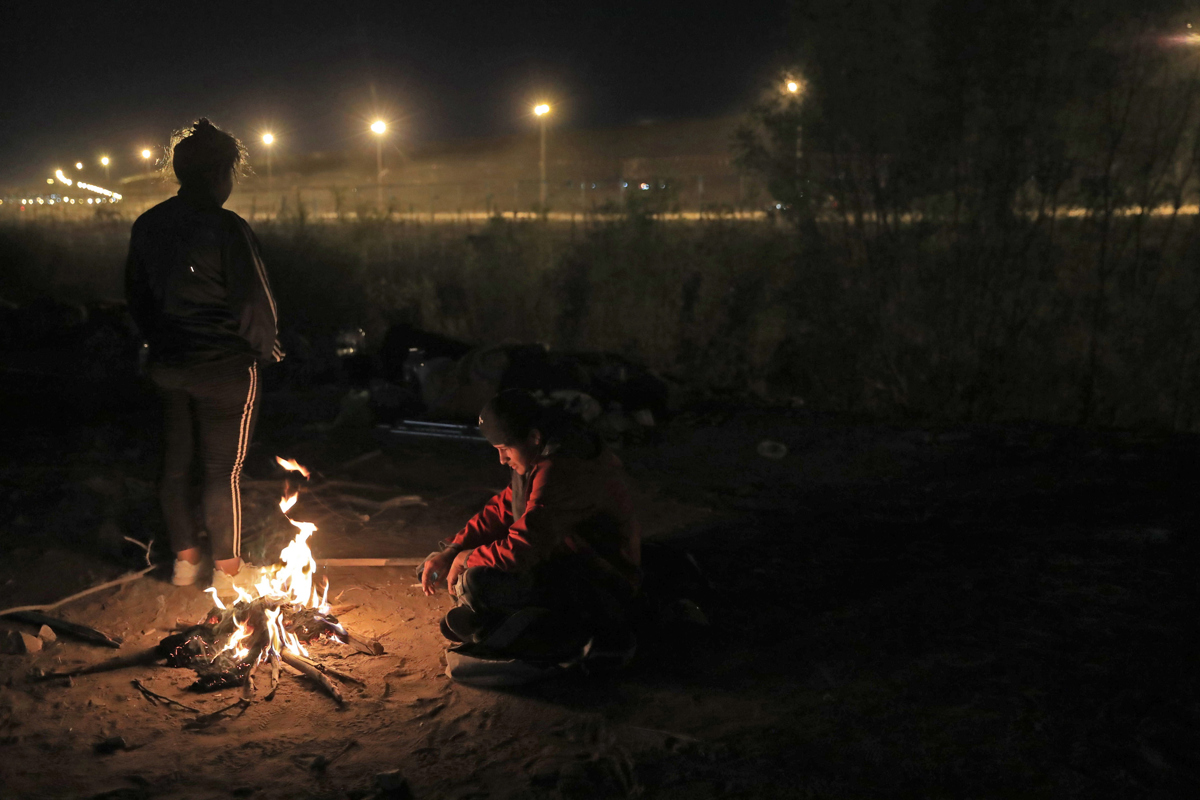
(487, 589)
(472, 587)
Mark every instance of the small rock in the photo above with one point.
(31, 643)
(47, 635)
(110, 745)
(393, 786)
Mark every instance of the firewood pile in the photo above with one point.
(268, 625)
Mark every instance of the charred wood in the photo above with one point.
(69, 628)
(138, 659)
(315, 675)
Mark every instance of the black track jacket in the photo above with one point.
(197, 287)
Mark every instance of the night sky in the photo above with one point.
(90, 78)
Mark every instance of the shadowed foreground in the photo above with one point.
(990, 611)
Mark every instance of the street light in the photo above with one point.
(379, 128)
(104, 162)
(540, 111)
(78, 165)
(796, 88)
(146, 154)
(268, 140)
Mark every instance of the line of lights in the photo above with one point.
(98, 190)
(378, 127)
(64, 200)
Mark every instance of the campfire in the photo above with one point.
(270, 625)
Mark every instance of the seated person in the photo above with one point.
(561, 537)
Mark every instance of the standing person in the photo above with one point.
(198, 291)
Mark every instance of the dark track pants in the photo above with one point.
(566, 586)
(210, 408)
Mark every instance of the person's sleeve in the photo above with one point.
(139, 296)
(488, 525)
(533, 538)
(249, 292)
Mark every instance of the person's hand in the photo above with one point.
(457, 568)
(435, 568)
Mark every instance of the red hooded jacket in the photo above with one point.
(566, 505)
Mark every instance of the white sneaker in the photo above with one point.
(245, 579)
(185, 573)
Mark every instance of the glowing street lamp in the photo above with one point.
(104, 162)
(541, 111)
(146, 154)
(795, 88)
(379, 128)
(268, 140)
(78, 165)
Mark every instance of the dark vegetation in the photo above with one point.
(916, 320)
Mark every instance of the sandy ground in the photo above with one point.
(990, 611)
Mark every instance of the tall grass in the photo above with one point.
(915, 320)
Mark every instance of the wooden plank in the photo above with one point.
(370, 562)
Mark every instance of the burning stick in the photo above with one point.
(248, 686)
(371, 647)
(328, 670)
(274, 676)
(313, 674)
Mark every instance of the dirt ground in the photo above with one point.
(988, 611)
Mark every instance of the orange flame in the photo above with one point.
(290, 583)
(292, 466)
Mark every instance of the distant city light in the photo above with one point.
(50, 181)
(268, 138)
(78, 165)
(793, 87)
(98, 190)
(541, 108)
(146, 154)
(104, 160)
(378, 126)
(89, 201)
(58, 173)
